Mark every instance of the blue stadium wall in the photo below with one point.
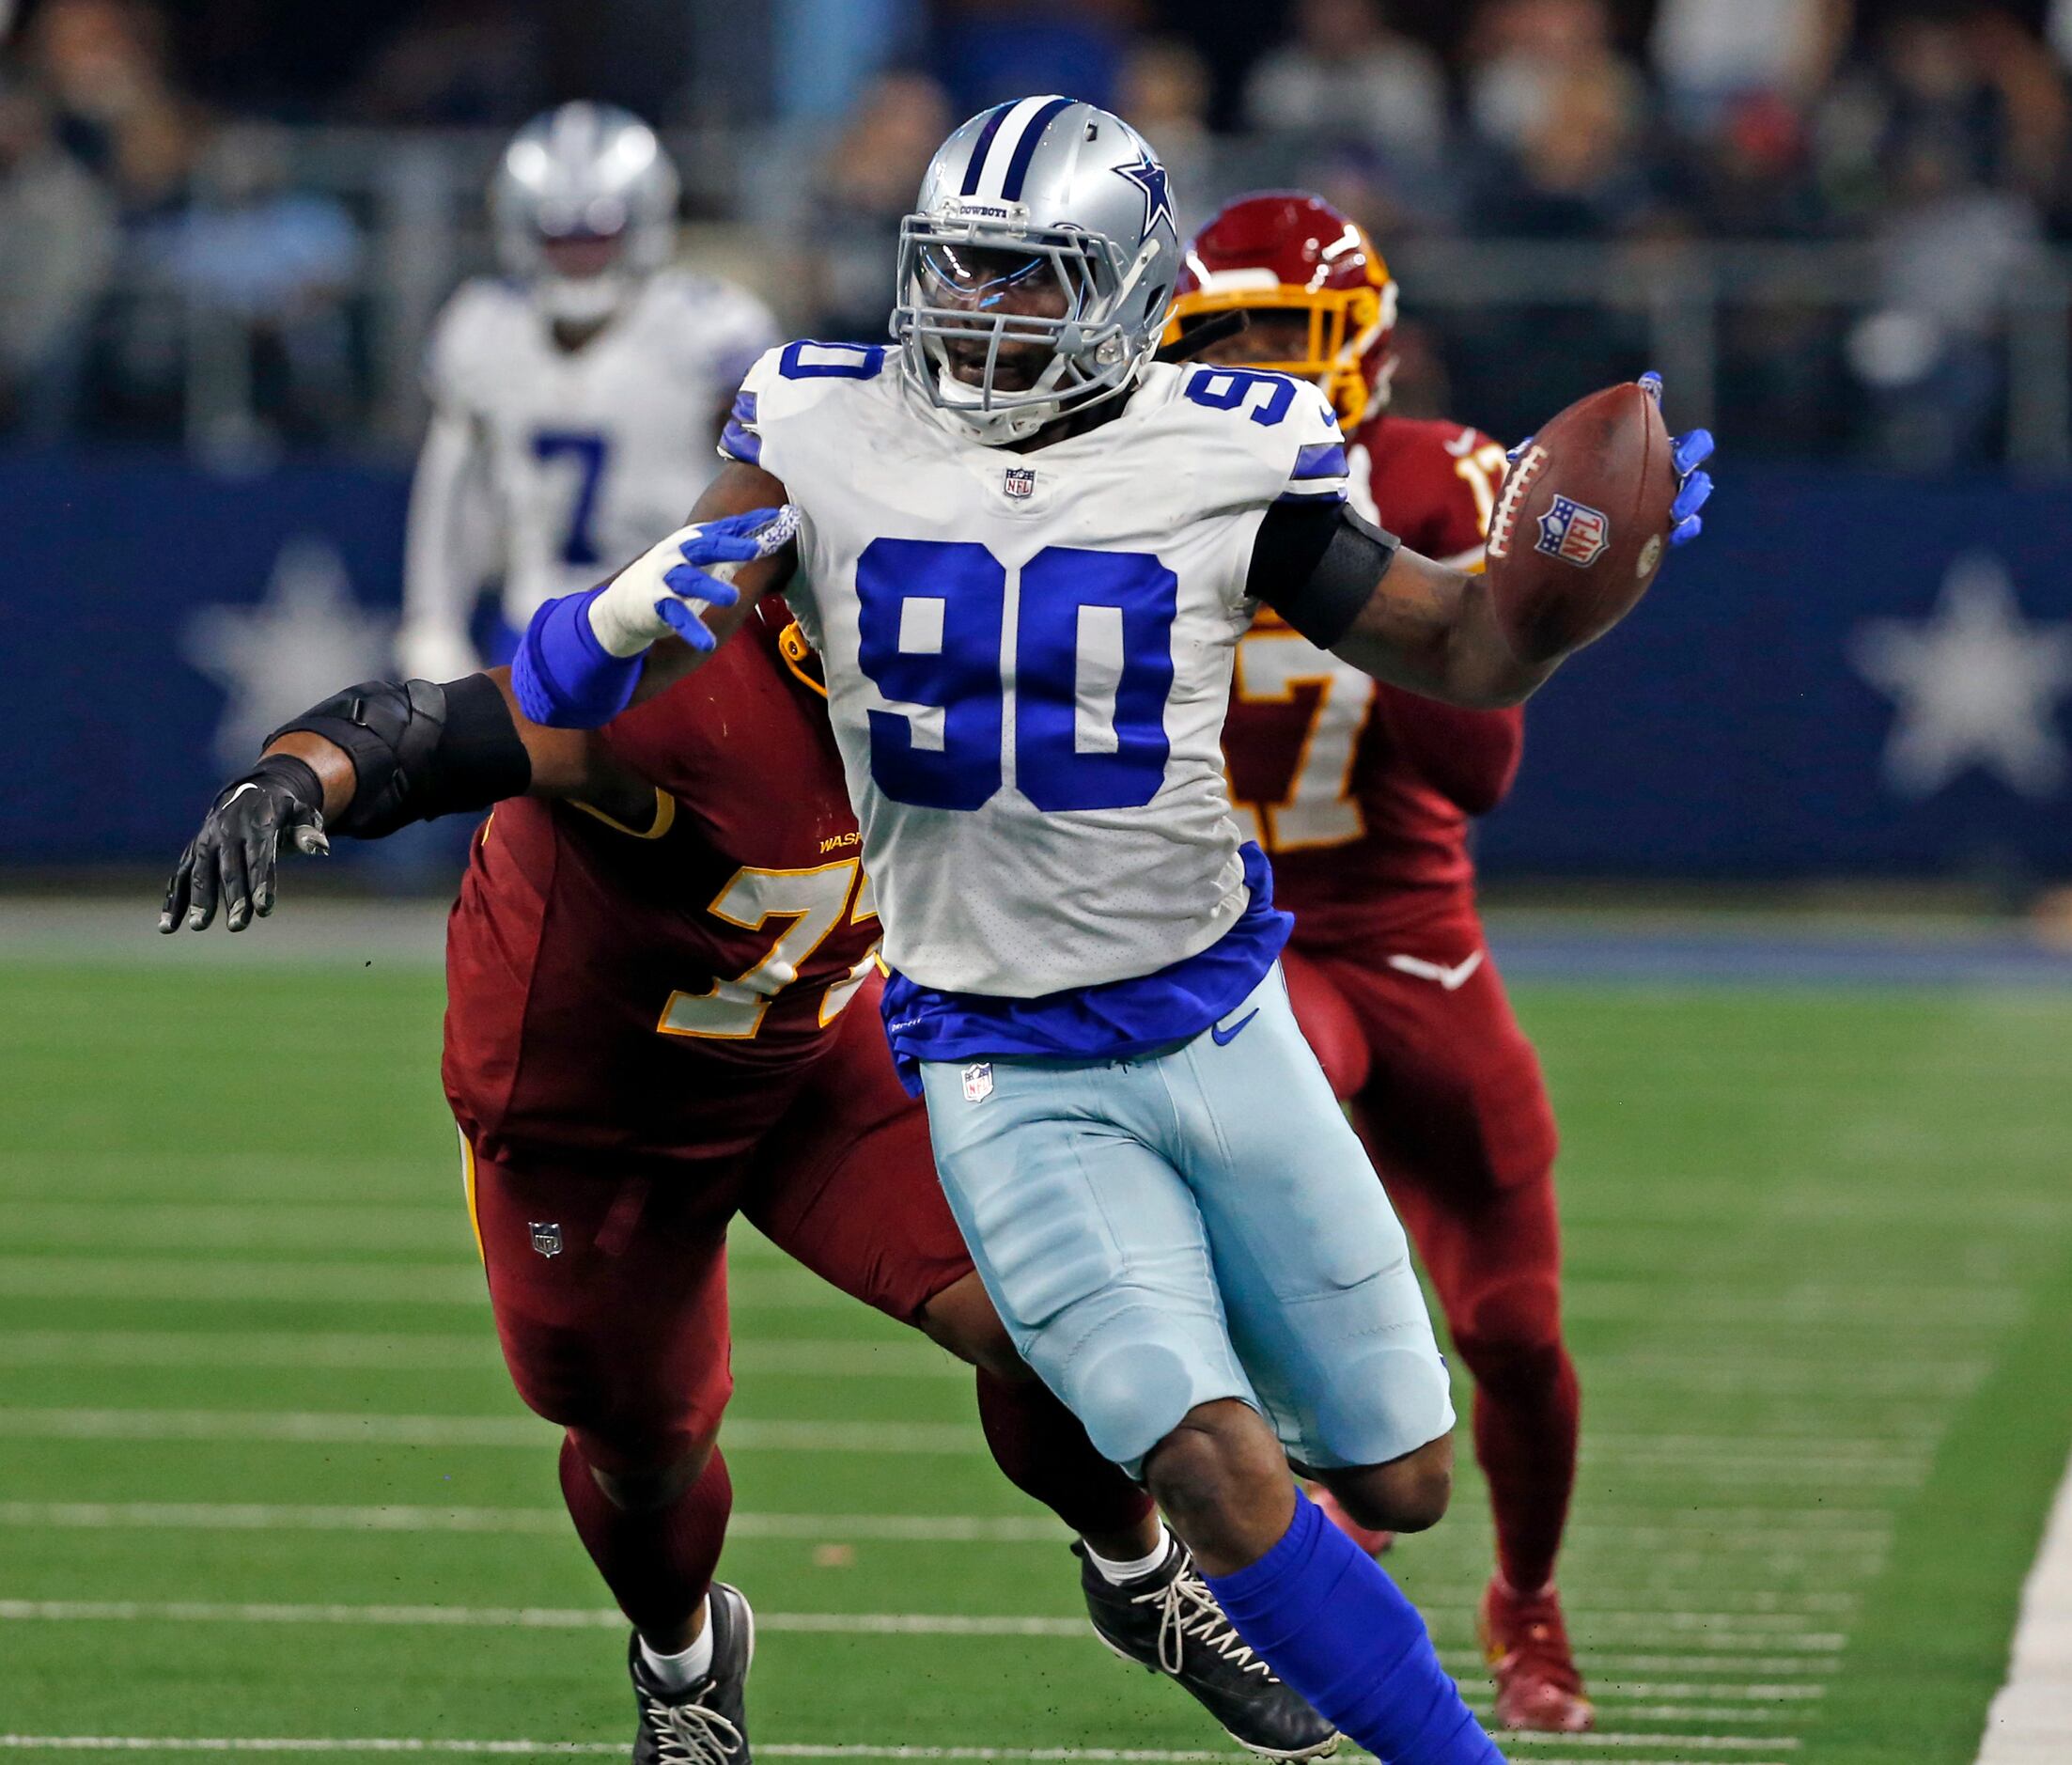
(1851, 676)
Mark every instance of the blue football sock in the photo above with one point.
(1327, 1619)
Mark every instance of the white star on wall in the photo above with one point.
(302, 642)
(1975, 683)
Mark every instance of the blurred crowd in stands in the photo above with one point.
(151, 167)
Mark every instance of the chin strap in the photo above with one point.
(1196, 339)
(799, 658)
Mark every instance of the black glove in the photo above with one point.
(233, 855)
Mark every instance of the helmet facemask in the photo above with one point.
(955, 273)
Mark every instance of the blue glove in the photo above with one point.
(663, 590)
(1686, 454)
(580, 656)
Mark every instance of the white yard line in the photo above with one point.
(914, 1357)
(335, 1427)
(2030, 1719)
(1703, 1627)
(1738, 1610)
(512, 1617)
(806, 1750)
(212, 1280)
(265, 1517)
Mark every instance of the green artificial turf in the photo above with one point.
(1820, 1281)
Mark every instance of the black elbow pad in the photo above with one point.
(419, 750)
(1316, 564)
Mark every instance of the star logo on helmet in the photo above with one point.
(1149, 176)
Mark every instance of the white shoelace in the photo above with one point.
(1187, 1608)
(690, 1734)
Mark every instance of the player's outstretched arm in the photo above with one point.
(1435, 630)
(586, 657)
(369, 760)
(1489, 640)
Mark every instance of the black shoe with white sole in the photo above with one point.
(706, 1725)
(1170, 1622)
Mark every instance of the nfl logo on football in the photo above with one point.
(1020, 482)
(1574, 532)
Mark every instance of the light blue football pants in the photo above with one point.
(1193, 1223)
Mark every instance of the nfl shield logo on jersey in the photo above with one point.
(1573, 531)
(978, 1082)
(1020, 482)
(547, 1237)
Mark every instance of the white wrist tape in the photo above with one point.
(624, 618)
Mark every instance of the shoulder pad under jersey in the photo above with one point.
(470, 347)
(1264, 437)
(786, 383)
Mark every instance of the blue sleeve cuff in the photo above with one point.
(563, 677)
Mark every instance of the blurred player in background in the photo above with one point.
(1363, 793)
(575, 402)
(661, 1010)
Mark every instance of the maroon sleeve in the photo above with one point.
(1468, 757)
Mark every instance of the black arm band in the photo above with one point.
(420, 750)
(1316, 564)
(297, 776)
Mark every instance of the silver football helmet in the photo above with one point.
(584, 204)
(1042, 197)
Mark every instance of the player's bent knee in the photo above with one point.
(1407, 1494)
(963, 1319)
(639, 1489)
(1130, 1394)
(1517, 1316)
(1222, 1459)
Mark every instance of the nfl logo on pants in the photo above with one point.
(547, 1237)
(978, 1082)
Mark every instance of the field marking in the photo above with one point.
(809, 1623)
(926, 1438)
(513, 1618)
(910, 1357)
(209, 1281)
(2030, 1721)
(1465, 1662)
(336, 1427)
(209, 1226)
(1757, 1612)
(1603, 1665)
(275, 1517)
(1768, 1693)
(808, 1750)
(1694, 1742)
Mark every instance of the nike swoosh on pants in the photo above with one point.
(1453, 979)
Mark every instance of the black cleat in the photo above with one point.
(1170, 1622)
(706, 1725)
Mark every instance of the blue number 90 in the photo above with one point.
(1094, 669)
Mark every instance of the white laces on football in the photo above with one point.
(1188, 1609)
(690, 1734)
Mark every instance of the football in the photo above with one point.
(1581, 523)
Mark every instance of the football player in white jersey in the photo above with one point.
(1027, 553)
(575, 401)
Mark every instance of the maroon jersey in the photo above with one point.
(694, 962)
(1360, 791)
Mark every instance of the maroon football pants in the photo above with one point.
(610, 1299)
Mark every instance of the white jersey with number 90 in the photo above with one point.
(1028, 655)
